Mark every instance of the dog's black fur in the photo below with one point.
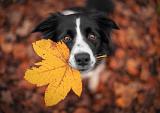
(57, 25)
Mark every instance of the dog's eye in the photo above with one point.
(92, 37)
(67, 38)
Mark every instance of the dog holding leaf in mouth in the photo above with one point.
(86, 32)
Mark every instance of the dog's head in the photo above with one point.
(87, 35)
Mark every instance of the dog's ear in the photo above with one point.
(103, 22)
(107, 23)
(48, 27)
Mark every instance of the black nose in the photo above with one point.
(82, 59)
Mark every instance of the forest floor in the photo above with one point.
(129, 84)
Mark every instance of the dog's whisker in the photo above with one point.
(101, 57)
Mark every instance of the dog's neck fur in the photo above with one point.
(94, 76)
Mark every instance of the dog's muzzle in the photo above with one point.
(83, 61)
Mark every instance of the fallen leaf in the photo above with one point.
(81, 110)
(21, 50)
(54, 71)
(6, 96)
(132, 67)
(126, 93)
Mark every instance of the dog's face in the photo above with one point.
(87, 35)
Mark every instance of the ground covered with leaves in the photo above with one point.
(129, 84)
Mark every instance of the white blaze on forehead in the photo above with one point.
(68, 12)
(80, 46)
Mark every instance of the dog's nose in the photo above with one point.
(82, 59)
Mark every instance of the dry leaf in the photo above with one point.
(54, 71)
(126, 93)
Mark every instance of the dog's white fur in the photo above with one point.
(80, 46)
(93, 76)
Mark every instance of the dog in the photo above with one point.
(86, 31)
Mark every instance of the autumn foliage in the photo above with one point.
(129, 84)
(54, 70)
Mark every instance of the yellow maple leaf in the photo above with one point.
(54, 71)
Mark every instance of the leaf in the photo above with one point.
(126, 93)
(54, 71)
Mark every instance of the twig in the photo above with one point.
(102, 56)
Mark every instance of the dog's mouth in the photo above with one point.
(84, 68)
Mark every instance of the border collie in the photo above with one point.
(86, 32)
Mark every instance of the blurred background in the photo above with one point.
(129, 84)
